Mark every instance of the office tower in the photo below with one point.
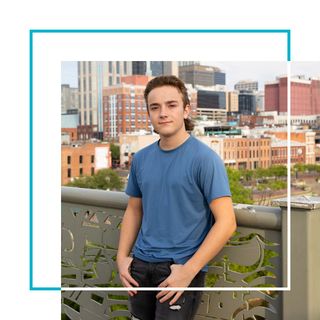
(233, 101)
(212, 103)
(69, 98)
(139, 67)
(202, 75)
(260, 101)
(305, 96)
(187, 63)
(247, 102)
(246, 85)
(155, 68)
(170, 68)
(93, 76)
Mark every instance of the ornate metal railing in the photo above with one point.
(254, 257)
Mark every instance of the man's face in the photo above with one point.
(166, 110)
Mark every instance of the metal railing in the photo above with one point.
(255, 256)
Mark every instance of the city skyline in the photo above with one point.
(235, 71)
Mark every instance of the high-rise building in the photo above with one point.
(188, 63)
(155, 68)
(212, 103)
(93, 76)
(170, 68)
(212, 99)
(247, 102)
(233, 101)
(305, 96)
(260, 101)
(139, 68)
(69, 98)
(246, 85)
(124, 107)
(202, 75)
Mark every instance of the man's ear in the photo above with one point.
(187, 110)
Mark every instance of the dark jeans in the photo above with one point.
(145, 306)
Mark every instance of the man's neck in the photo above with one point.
(169, 143)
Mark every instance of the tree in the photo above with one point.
(240, 194)
(115, 151)
(104, 179)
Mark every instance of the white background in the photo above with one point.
(49, 49)
(16, 19)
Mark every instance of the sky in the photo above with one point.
(235, 71)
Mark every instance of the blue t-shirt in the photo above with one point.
(176, 187)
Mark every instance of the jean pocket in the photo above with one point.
(161, 272)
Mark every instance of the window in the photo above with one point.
(80, 159)
(69, 173)
(92, 171)
(69, 159)
(92, 160)
(118, 67)
(81, 171)
(110, 66)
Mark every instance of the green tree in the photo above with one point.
(240, 194)
(115, 151)
(104, 179)
(278, 171)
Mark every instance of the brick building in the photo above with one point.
(305, 96)
(124, 108)
(279, 152)
(306, 137)
(247, 152)
(83, 160)
(240, 152)
(72, 132)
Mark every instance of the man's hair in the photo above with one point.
(175, 82)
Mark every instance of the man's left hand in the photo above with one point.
(179, 277)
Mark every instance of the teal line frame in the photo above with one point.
(31, 32)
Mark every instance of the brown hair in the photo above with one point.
(175, 82)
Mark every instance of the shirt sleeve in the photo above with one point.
(213, 178)
(133, 188)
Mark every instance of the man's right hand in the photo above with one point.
(124, 274)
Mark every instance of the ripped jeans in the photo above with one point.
(145, 306)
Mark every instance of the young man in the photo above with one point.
(179, 213)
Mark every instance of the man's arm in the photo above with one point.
(220, 233)
(130, 227)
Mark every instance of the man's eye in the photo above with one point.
(154, 108)
(172, 105)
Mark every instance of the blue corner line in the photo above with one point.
(32, 31)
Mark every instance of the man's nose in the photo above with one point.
(163, 112)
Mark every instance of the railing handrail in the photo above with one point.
(261, 217)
